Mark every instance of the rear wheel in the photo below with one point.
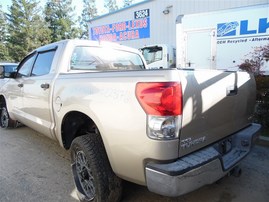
(93, 176)
(5, 120)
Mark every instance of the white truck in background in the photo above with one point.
(216, 40)
(159, 56)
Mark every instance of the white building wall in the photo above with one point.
(163, 27)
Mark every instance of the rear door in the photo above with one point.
(37, 91)
(200, 48)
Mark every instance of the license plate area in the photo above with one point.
(224, 146)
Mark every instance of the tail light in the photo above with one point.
(162, 102)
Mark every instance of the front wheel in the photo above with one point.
(94, 179)
(5, 120)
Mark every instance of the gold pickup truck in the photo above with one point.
(172, 130)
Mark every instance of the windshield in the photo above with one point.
(152, 54)
(101, 59)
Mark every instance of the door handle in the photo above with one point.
(45, 86)
(20, 85)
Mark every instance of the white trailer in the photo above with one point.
(206, 34)
(222, 39)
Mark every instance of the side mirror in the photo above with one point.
(11, 75)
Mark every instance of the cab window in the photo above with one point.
(43, 63)
(26, 66)
(104, 59)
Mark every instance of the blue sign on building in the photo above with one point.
(242, 28)
(122, 31)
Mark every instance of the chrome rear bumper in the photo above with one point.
(200, 168)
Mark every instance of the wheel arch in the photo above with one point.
(75, 124)
(2, 101)
(6, 121)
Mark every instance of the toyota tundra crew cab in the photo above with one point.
(172, 130)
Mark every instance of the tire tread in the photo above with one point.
(109, 186)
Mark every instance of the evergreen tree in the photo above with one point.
(111, 5)
(127, 3)
(3, 37)
(26, 28)
(89, 12)
(59, 15)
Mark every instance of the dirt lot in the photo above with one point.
(34, 168)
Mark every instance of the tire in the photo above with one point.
(94, 179)
(5, 120)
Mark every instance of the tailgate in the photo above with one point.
(216, 104)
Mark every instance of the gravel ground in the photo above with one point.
(35, 168)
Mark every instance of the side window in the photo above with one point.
(26, 66)
(83, 59)
(104, 59)
(43, 63)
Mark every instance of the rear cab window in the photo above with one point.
(104, 59)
